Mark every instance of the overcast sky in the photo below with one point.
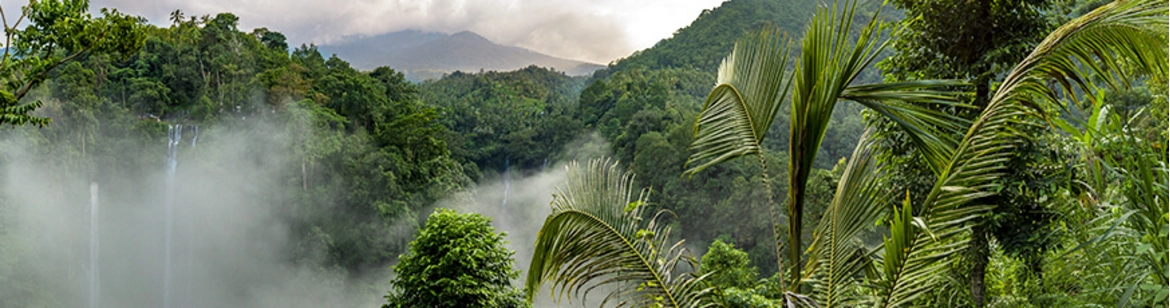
(597, 31)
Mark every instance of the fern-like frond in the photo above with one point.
(836, 258)
(597, 236)
(749, 92)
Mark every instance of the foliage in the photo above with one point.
(521, 118)
(596, 236)
(727, 266)
(456, 260)
(704, 42)
(58, 32)
(359, 153)
(752, 83)
(1074, 216)
(1095, 36)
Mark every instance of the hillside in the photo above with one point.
(703, 44)
(429, 55)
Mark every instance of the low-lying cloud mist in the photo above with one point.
(230, 245)
(520, 200)
(231, 241)
(597, 31)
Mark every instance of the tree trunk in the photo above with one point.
(775, 218)
(979, 255)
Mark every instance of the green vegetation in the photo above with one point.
(455, 260)
(890, 161)
(598, 229)
(57, 32)
(925, 238)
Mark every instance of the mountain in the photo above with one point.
(427, 55)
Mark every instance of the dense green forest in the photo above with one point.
(285, 164)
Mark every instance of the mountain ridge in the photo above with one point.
(427, 55)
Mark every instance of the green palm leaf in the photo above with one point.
(597, 236)
(836, 258)
(741, 108)
(1131, 31)
(738, 112)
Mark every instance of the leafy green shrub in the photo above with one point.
(457, 260)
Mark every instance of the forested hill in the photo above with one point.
(708, 39)
(704, 43)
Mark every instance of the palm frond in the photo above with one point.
(1121, 31)
(1096, 44)
(836, 258)
(738, 112)
(597, 236)
(741, 108)
(909, 105)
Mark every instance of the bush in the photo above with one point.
(457, 260)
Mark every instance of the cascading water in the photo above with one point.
(174, 136)
(94, 249)
(507, 184)
(190, 236)
(195, 137)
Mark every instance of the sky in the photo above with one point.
(597, 31)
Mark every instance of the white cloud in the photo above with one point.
(592, 30)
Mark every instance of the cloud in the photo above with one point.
(597, 31)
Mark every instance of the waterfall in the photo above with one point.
(545, 165)
(195, 137)
(190, 237)
(94, 276)
(507, 183)
(174, 136)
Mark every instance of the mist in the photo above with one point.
(230, 241)
(518, 201)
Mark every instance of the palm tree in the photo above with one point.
(581, 244)
(754, 81)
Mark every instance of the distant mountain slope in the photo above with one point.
(709, 38)
(427, 55)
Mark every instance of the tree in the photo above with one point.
(58, 31)
(755, 79)
(969, 40)
(457, 260)
(727, 266)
